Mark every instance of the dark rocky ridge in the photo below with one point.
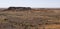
(18, 8)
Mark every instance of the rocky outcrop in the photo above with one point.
(19, 8)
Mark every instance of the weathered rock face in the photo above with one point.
(19, 8)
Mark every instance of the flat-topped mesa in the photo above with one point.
(19, 8)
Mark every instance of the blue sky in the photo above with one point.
(31, 3)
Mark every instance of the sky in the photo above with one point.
(31, 3)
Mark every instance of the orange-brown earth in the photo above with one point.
(33, 19)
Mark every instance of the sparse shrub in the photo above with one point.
(5, 19)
